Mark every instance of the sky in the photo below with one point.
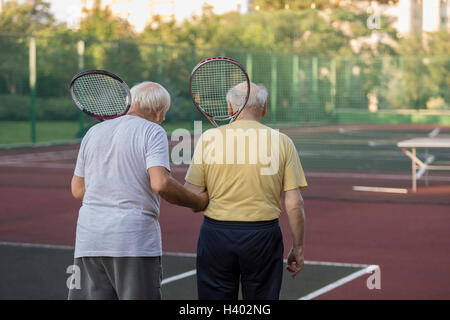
(138, 11)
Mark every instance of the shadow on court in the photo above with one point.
(39, 272)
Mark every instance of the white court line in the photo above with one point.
(340, 175)
(180, 254)
(376, 176)
(313, 174)
(367, 268)
(179, 276)
(335, 264)
(173, 254)
(380, 189)
(434, 133)
(59, 247)
(35, 245)
(339, 282)
(321, 263)
(39, 165)
(378, 143)
(422, 170)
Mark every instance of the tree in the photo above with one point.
(305, 4)
(28, 17)
(22, 18)
(101, 24)
(111, 40)
(426, 67)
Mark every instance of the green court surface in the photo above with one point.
(359, 150)
(345, 148)
(39, 272)
(15, 132)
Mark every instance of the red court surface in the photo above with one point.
(406, 235)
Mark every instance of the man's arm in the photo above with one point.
(296, 215)
(77, 187)
(172, 191)
(195, 189)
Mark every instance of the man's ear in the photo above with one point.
(160, 116)
(230, 109)
(264, 110)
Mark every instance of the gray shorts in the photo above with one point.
(117, 278)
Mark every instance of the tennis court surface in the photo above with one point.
(349, 233)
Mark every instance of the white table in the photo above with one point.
(418, 166)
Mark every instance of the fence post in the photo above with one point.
(273, 90)
(32, 80)
(295, 86)
(249, 65)
(400, 67)
(80, 52)
(159, 57)
(347, 79)
(193, 110)
(315, 85)
(333, 84)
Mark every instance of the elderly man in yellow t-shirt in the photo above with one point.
(246, 166)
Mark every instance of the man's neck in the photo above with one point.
(250, 117)
(148, 117)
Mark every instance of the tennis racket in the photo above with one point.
(210, 82)
(100, 94)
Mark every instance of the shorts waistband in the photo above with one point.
(241, 224)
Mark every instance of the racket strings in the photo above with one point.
(101, 95)
(211, 83)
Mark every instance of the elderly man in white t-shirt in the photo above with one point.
(122, 170)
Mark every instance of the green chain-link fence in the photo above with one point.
(302, 89)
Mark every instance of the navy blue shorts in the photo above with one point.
(247, 252)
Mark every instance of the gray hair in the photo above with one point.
(150, 96)
(257, 98)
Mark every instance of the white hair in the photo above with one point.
(150, 96)
(257, 98)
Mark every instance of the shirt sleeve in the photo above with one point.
(79, 167)
(157, 153)
(294, 176)
(196, 173)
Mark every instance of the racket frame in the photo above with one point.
(209, 117)
(106, 73)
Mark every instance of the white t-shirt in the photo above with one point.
(119, 215)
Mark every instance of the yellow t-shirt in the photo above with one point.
(245, 166)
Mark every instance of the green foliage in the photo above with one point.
(103, 31)
(20, 17)
(292, 4)
(26, 17)
(303, 30)
(425, 72)
(411, 72)
(303, 4)
(436, 104)
(100, 24)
